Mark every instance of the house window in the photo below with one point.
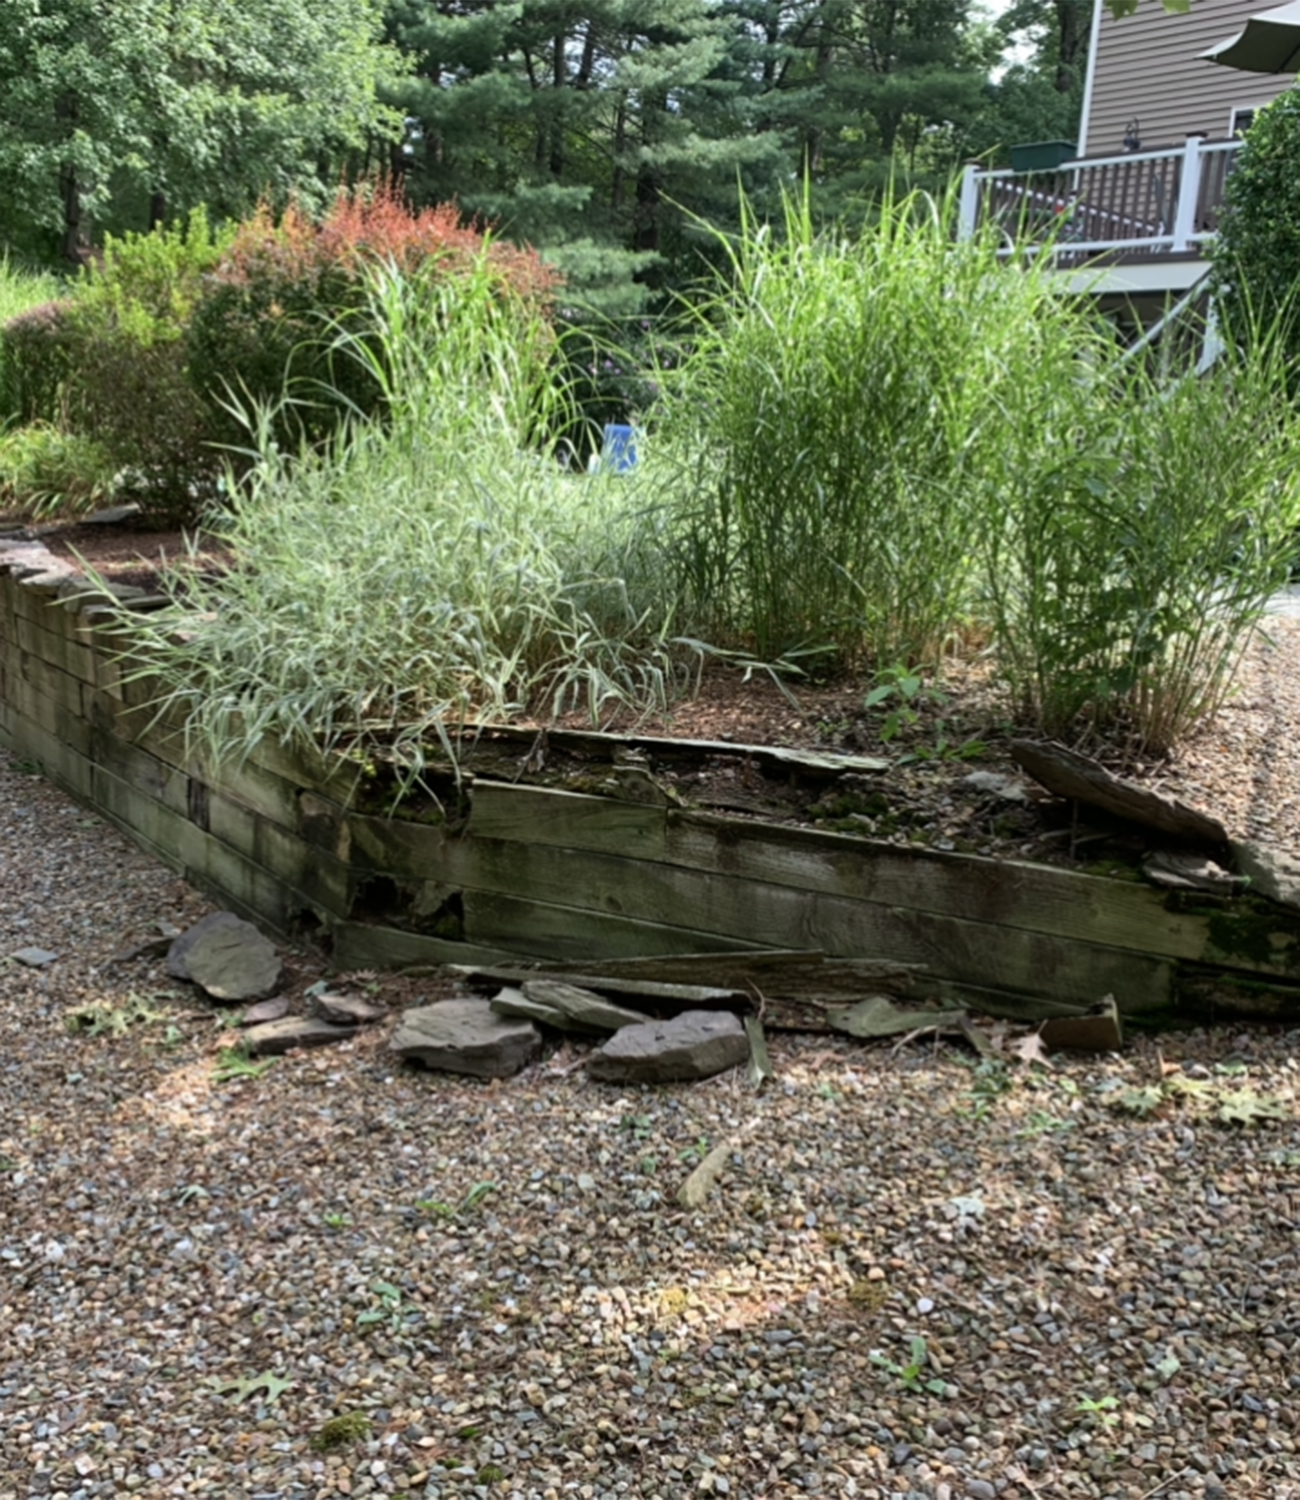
(1242, 119)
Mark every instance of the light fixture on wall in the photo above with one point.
(1132, 136)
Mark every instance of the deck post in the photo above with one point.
(968, 205)
(1189, 191)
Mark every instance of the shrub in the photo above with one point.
(35, 361)
(279, 317)
(129, 387)
(1257, 248)
(45, 472)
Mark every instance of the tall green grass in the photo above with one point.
(1137, 557)
(431, 569)
(844, 395)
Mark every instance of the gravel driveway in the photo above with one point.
(919, 1276)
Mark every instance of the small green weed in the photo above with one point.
(1103, 1409)
(910, 1374)
(637, 1126)
(103, 1019)
(390, 1310)
(990, 1080)
(338, 1432)
(333, 1220)
(234, 1063)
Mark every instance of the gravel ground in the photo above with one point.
(918, 1277)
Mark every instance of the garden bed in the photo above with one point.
(567, 845)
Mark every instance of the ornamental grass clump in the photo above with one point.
(421, 573)
(1133, 565)
(842, 398)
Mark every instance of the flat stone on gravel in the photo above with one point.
(178, 954)
(1272, 872)
(275, 1037)
(232, 961)
(34, 958)
(696, 1044)
(466, 1036)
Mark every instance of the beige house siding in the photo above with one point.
(1147, 69)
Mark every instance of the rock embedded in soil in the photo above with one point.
(34, 958)
(274, 1009)
(466, 1036)
(233, 961)
(696, 1044)
(275, 1037)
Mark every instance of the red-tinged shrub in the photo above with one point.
(270, 320)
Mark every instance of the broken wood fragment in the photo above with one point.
(877, 1016)
(1067, 773)
(760, 1064)
(1098, 1030)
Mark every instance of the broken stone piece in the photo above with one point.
(348, 1010)
(34, 958)
(466, 1036)
(274, 1009)
(696, 1044)
(231, 960)
(1099, 1030)
(1272, 872)
(576, 1009)
(274, 1037)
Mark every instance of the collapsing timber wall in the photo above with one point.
(567, 875)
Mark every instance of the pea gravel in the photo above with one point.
(917, 1278)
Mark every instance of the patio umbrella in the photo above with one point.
(1269, 43)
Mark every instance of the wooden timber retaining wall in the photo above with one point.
(571, 876)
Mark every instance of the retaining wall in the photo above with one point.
(530, 870)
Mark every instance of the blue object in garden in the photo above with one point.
(618, 452)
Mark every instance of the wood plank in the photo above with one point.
(149, 775)
(833, 981)
(64, 766)
(570, 820)
(515, 927)
(1220, 995)
(1013, 893)
(361, 945)
(52, 713)
(392, 846)
(56, 645)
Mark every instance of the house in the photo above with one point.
(1128, 215)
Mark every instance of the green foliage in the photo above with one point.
(1257, 248)
(425, 571)
(1129, 556)
(234, 1063)
(285, 319)
(129, 386)
(46, 472)
(341, 1431)
(840, 396)
(115, 110)
(911, 1372)
(35, 361)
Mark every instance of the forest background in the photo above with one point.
(605, 133)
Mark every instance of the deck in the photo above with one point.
(1139, 222)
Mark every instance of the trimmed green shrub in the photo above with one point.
(35, 362)
(279, 317)
(129, 386)
(1257, 249)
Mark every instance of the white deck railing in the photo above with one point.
(1143, 205)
